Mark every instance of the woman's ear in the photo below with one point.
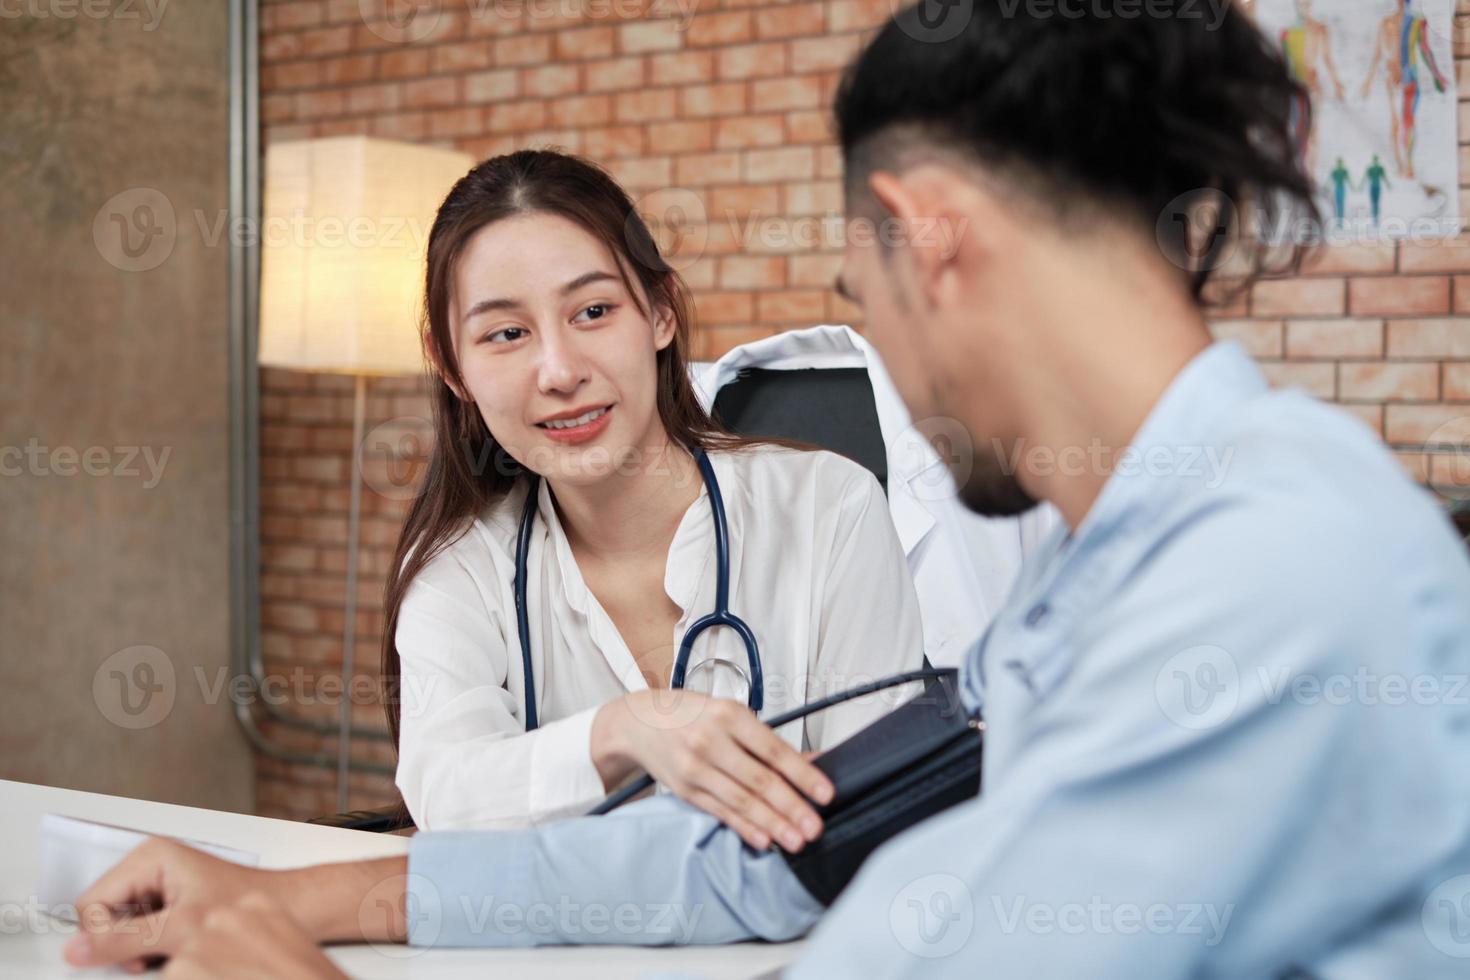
(664, 326)
(431, 354)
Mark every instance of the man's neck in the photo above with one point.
(632, 514)
(1121, 339)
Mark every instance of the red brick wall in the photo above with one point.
(731, 107)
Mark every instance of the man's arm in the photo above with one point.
(656, 872)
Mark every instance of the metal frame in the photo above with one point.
(244, 395)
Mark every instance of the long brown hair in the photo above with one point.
(466, 469)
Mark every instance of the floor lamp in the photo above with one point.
(345, 221)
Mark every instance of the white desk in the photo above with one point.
(30, 944)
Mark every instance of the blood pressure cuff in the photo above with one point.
(918, 760)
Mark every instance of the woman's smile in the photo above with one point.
(577, 426)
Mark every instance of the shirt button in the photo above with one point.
(1038, 614)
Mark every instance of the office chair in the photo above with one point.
(831, 408)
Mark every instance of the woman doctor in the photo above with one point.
(559, 338)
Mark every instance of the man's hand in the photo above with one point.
(252, 939)
(160, 898)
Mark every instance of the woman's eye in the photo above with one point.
(603, 308)
(506, 335)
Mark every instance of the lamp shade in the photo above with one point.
(345, 225)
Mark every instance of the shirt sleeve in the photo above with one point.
(653, 873)
(870, 625)
(1145, 827)
(465, 757)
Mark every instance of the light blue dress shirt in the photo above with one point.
(1228, 735)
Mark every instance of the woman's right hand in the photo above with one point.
(717, 755)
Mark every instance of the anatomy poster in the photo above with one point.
(1383, 150)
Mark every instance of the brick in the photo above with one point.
(718, 307)
(613, 141)
(582, 110)
(850, 15)
(512, 116)
(681, 137)
(813, 197)
(752, 272)
(809, 54)
(797, 92)
(719, 340)
(726, 203)
(328, 40)
(426, 92)
(468, 56)
(683, 68)
(531, 49)
(550, 80)
(1377, 257)
(1461, 291)
(748, 131)
(1388, 381)
(373, 98)
(349, 70)
(786, 163)
(464, 121)
(589, 42)
(1260, 338)
(810, 126)
(1369, 415)
(642, 173)
(404, 64)
(1400, 295)
(400, 126)
(1429, 338)
(707, 168)
(295, 74)
(614, 75)
(1317, 380)
(1418, 423)
(720, 99)
(492, 86)
(1297, 297)
(1438, 255)
(728, 27)
(654, 104)
(791, 309)
(1334, 338)
(813, 269)
(789, 20)
(1456, 382)
(642, 36)
(751, 61)
(315, 105)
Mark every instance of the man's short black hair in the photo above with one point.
(1094, 109)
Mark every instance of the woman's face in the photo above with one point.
(554, 353)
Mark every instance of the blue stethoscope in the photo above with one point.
(722, 616)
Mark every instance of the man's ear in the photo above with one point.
(923, 220)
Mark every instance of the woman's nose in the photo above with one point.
(563, 368)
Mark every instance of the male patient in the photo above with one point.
(1227, 711)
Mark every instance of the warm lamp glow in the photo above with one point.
(345, 224)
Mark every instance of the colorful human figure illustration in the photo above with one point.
(1402, 40)
(1376, 178)
(1342, 182)
(1307, 45)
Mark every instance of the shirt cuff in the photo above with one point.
(564, 781)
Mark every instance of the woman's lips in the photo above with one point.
(577, 434)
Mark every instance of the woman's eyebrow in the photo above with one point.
(500, 303)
